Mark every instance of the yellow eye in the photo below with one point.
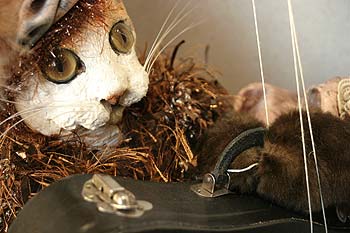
(61, 66)
(121, 38)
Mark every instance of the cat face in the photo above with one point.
(83, 72)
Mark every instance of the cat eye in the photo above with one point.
(61, 66)
(121, 38)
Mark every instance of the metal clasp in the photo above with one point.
(210, 187)
(217, 182)
(111, 197)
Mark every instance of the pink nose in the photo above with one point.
(114, 99)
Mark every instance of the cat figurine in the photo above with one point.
(69, 83)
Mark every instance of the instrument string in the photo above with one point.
(301, 74)
(260, 63)
(298, 70)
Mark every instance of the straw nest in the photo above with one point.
(184, 98)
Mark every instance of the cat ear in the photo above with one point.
(37, 16)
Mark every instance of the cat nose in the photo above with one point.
(114, 99)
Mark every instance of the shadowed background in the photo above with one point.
(322, 26)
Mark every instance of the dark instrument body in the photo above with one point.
(61, 208)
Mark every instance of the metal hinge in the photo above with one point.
(111, 197)
(210, 188)
(217, 182)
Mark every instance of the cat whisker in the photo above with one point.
(25, 111)
(9, 101)
(18, 122)
(24, 102)
(17, 114)
(159, 33)
(160, 38)
(10, 88)
(39, 108)
(171, 41)
(177, 20)
(149, 66)
(21, 102)
(36, 111)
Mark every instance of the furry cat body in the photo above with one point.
(280, 175)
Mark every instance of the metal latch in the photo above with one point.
(111, 197)
(217, 182)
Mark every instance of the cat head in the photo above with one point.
(77, 69)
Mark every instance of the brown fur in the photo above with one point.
(280, 176)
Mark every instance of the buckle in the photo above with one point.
(111, 197)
